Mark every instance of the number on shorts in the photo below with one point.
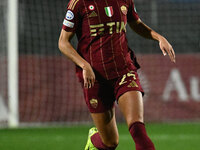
(122, 81)
(129, 74)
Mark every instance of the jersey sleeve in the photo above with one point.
(70, 22)
(132, 13)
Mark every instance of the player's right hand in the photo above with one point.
(88, 76)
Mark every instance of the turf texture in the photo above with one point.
(183, 136)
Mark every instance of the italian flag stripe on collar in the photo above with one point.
(109, 11)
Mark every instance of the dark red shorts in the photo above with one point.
(102, 95)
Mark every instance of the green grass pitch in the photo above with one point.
(183, 136)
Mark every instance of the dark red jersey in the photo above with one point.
(100, 26)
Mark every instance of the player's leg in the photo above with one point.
(100, 100)
(107, 137)
(131, 105)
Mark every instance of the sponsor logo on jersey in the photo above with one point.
(124, 9)
(93, 14)
(69, 15)
(109, 11)
(113, 27)
(94, 103)
(91, 7)
(68, 23)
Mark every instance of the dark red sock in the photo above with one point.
(139, 134)
(97, 142)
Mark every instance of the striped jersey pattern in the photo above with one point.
(100, 26)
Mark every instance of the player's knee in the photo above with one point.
(112, 143)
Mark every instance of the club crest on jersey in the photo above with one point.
(94, 103)
(69, 15)
(109, 11)
(124, 9)
(91, 7)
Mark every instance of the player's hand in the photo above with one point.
(88, 76)
(166, 48)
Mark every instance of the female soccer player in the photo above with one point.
(107, 68)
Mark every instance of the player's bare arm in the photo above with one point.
(67, 49)
(142, 29)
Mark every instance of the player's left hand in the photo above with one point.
(166, 48)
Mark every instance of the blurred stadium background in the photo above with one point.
(47, 91)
